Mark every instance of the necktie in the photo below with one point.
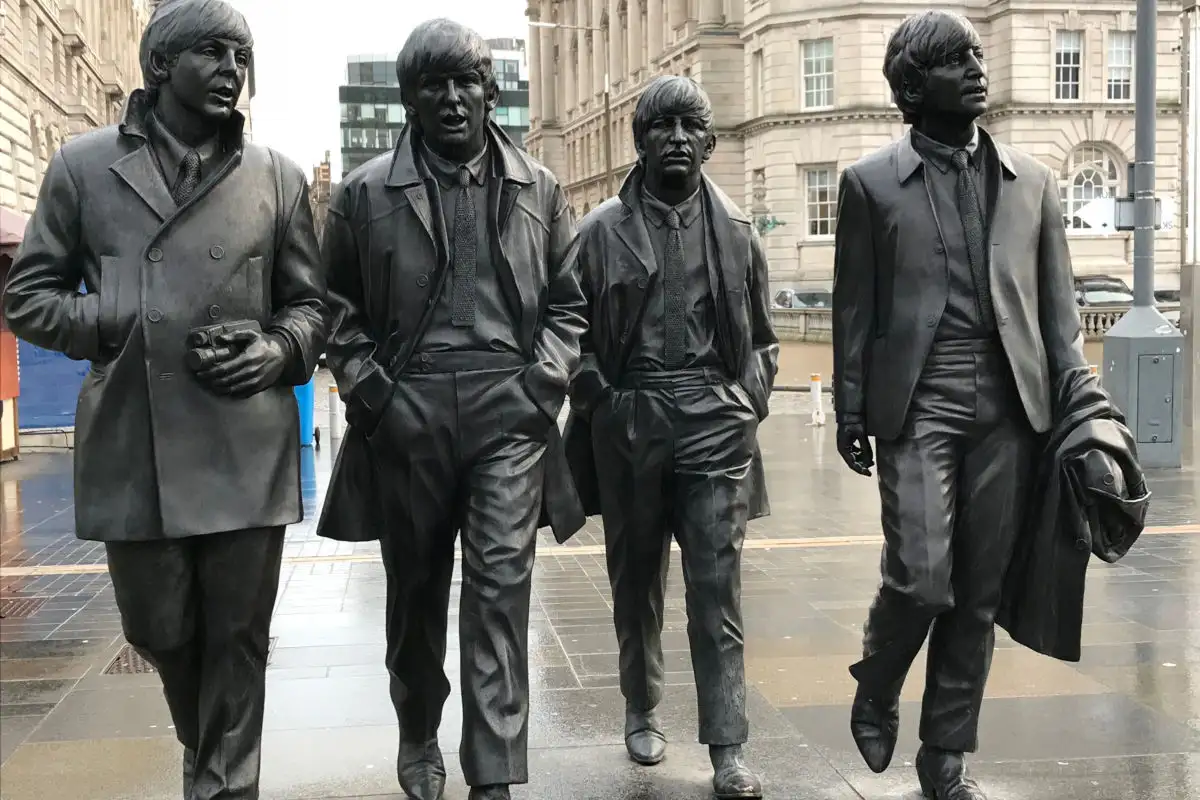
(189, 178)
(972, 221)
(464, 253)
(674, 293)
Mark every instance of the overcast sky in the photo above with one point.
(300, 51)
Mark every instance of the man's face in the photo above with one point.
(676, 147)
(956, 86)
(208, 78)
(452, 109)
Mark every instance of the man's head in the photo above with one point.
(673, 129)
(447, 86)
(199, 51)
(934, 64)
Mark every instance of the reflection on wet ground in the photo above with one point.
(1122, 724)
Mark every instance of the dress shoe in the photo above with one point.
(644, 740)
(495, 791)
(732, 779)
(874, 723)
(943, 776)
(421, 770)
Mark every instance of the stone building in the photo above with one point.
(66, 66)
(799, 94)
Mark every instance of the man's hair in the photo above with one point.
(443, 46)
(920, 43)
(670, 96)
(179, 25)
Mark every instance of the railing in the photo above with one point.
(815, 324)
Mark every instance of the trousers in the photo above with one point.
(462, 453)
(199, 611)
(671, 460)
(954, 487)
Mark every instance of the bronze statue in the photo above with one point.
(954, 320)
(204, 305)
(457, 317)
(678, 366)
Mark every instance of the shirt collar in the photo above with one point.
(941, 155)
(171, 151)
(445, 171)
(657, 210)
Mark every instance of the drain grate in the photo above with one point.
(128, 661)
(20, 607)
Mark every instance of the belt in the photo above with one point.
(672, 379)
(463, 361)
(961, 347)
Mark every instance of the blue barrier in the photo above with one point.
(305, 400)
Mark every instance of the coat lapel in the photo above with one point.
(502, 196)
(141, 173)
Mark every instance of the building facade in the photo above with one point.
(373, 114)
(799, 94)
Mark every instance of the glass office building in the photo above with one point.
(373, 116)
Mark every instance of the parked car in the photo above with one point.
(791, 298)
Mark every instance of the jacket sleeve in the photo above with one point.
(589, 383)
(556, 345)
(762, 331)
(1058, 312)
(42, 301)
(298, 284)
(853, 297)
(362, 382)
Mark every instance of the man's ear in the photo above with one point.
(160, 67)
(913, 93)
(493, 95)
(710, 145)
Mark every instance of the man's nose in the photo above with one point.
(452, 90)
(229, 61)
(975, 65)
(677, 132)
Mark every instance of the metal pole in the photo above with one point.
(1146, 44)
(608, 167)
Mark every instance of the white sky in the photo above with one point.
(300, 50)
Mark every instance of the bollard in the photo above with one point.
(818, 405)
(335, 414)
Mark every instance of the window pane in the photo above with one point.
(821, 201)
(1068, 64)
(818, 73)
(1120, 65)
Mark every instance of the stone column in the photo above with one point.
(535, 67)
(570, 58)
(599, 58)
(549, 76)
(676, 15)
(636, 36)
(711, 12)
(654, 30)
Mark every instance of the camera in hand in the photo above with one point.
(204, 349)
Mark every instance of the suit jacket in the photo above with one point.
(1091, 498)
(158, 455)
(385, 270)
(891, 282)
(617, 264)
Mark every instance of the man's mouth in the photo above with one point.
(677, 158)
(454, 120)
(224, 92)
(975, 91)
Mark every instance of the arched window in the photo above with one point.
(1090, 174)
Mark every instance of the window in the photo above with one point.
(1120, 65)
(821, 201)
(817, 69)
(395, 112)
(757, 80)
(1068, 64)
(1091, 174)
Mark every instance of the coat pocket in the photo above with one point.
(256, 288)
(119, 303)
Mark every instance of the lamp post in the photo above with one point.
(608, 167)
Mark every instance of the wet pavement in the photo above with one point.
(1122, 724)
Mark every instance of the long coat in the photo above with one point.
(385, 271)
(891, 282)
(158, 455)
(618, 266)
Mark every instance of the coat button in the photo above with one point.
(939, 249)
(931, 320)
(154, 315)
(642, 283)
(214, 311)
(155, 254)
(422, 281)
(216, 251)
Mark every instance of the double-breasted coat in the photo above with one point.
(157, 454)
(386, 271)
(614, 239)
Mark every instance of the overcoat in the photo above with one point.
(891, 282)
(385, 272)
(157, 454)
(618, 265)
